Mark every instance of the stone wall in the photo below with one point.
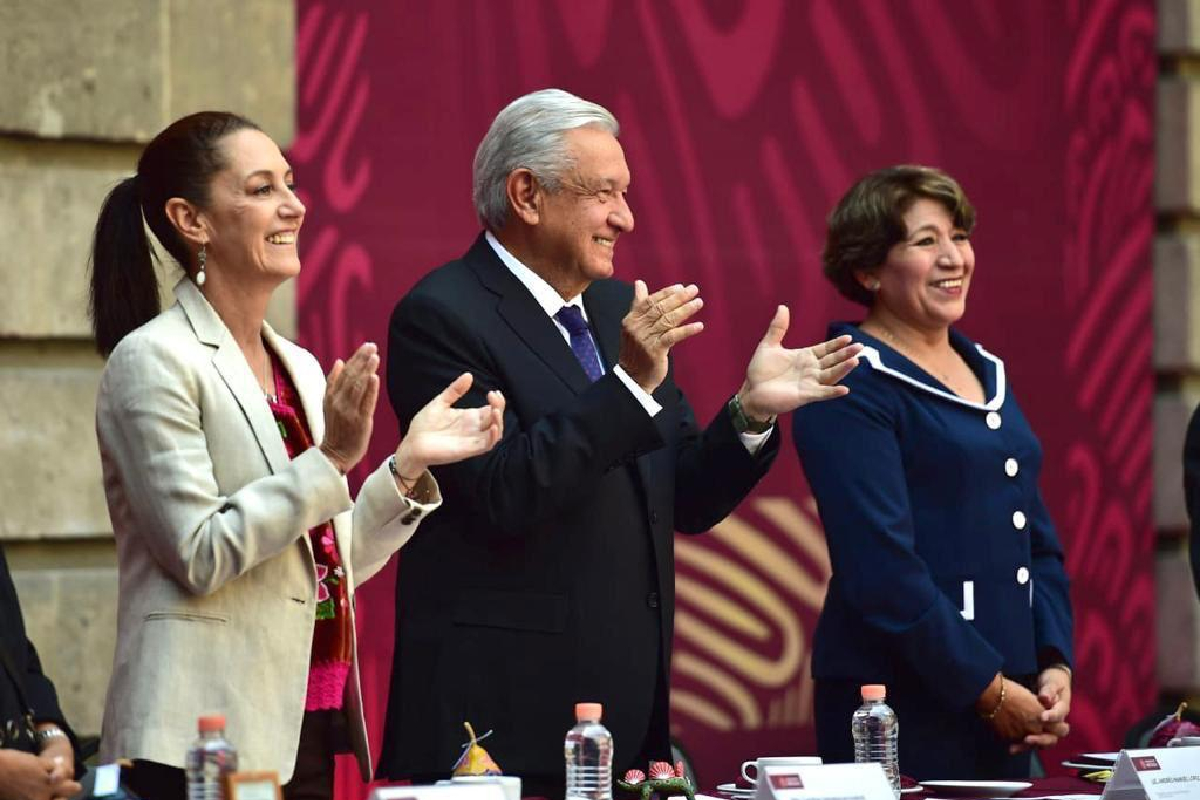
(1176, 333)
(82, 88)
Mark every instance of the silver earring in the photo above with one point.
(201, 257)
(874, 287)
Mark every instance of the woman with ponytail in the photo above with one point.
(225, 450)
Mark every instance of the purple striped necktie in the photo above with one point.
(582, 345)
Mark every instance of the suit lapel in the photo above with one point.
(232, 367)
(312, 398)
(527, 319)
(605, 317)
(312, 393)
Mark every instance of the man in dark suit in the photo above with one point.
(548, 576)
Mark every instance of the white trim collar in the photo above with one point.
(873, 358)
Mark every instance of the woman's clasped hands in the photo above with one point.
(1026, 719)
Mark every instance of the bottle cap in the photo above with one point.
(588, 711)
(211, 722)
(873, 691)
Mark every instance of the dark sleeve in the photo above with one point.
(1191, 490)
(538, 469)
(713, 469)
(39, 690)
(43, 699)
(1052, 618)
(852, 459)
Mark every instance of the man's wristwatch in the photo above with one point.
(743, 423)
(46, 734)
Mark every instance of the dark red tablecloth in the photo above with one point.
(1062, 785)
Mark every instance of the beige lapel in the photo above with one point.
(311, 388)
(311, 391)
(235, 371)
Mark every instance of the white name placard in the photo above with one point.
(449, 791)
(823, 782)
(1168, 773)
(107, 780)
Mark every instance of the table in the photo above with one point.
(1041, 788)
(1062, 785)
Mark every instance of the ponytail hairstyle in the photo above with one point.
(179, 162)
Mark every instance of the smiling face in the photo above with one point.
(253, 216)
(578, 225)
(926, 277)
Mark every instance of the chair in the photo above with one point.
(1138, 735)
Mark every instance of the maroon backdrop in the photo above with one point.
(742, 124)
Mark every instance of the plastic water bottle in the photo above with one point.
(209, 760)
(589, 754)
(877, 733)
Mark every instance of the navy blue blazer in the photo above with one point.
(946, 565)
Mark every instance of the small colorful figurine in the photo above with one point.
(663, 778)
(474, 759)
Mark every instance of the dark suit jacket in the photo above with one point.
(1191, 490)
(30, 683)
(946, 564)
(548, 576)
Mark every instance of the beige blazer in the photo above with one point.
(217, 577)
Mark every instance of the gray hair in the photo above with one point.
(529, 134)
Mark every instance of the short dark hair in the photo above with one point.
(179, 162)
(869, 220)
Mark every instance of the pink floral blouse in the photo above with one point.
(331, 654)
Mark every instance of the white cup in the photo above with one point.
(775, 761)
(511, 784)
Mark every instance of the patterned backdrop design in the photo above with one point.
(743, 123)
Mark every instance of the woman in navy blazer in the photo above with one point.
(948, 582)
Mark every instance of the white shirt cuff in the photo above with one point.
(753, 442)
(649, 403)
